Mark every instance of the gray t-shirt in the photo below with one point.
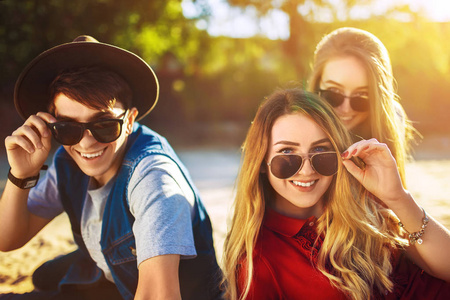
(160, 200)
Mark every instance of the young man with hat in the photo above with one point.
(136, 216)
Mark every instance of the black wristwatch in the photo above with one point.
(25, 183)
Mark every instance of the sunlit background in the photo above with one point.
(243, 23)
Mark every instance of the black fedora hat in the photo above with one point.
(31, 93)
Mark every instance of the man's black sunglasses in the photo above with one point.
(358, 103)
(70, 133)
(284, 166)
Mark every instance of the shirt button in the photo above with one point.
(386, 292)
(311, 223)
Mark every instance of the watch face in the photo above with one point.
(25, 183)
(30, 184)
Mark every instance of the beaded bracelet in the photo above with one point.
(417, 236)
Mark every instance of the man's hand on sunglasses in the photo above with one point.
(28, 146)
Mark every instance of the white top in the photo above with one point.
(160, 200)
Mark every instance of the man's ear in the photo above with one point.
(132, 114)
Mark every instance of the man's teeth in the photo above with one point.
(91, 155)
(304, 184)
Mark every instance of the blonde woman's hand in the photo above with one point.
(380, 175)
(28, 146)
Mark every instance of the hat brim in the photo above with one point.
(31, 93)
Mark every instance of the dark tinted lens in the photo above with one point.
(285, 166)
(67, 133)
(335, 99)
(359, 103)
(106, 131)
(325, 164)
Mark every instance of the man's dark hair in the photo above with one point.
(95, 87)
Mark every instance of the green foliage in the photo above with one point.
(29, 27)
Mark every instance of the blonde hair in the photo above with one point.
(358, 232)
(388, 122)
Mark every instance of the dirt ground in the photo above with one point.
(427, 179)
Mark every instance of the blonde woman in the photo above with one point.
(307, 221)
(352, 71)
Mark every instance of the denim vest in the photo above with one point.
(199, 277)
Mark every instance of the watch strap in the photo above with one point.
(24, 183)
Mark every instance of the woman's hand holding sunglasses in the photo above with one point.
(380, 175)
(28, 146)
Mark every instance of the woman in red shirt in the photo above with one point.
(316, 217)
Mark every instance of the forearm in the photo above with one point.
(158, 278)
(381, 178)
(432, 254)
(15, 219)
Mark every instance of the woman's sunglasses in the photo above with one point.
(358, 103)
(70, 133)
(287, 165)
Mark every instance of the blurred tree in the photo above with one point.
(301, 30)
(29, 27)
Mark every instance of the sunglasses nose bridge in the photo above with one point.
(306, 166)
(346, 102)
(86, 132)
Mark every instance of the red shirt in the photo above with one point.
(283, 267)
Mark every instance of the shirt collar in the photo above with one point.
(285, 225)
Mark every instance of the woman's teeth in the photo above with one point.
(304, 184)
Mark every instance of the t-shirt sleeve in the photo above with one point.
(43, 199)
(162, 204)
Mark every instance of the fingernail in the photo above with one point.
(365, 148)
(344, 155)
(354, 152)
